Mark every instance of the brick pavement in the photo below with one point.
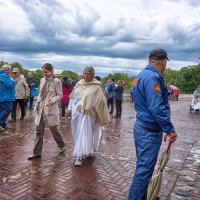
(108, 175)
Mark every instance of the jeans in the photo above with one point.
(5, 109)
(147, 145)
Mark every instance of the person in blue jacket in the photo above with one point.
(152, 119)
(7, 97)
(110, 95)
(118, 98)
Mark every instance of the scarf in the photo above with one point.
(92, 100)
(45, 88)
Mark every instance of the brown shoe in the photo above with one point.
(33, 156)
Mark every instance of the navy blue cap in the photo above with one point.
(158, 54)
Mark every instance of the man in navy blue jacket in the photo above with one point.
(7, 88)
(152, 119)
(118, 98)
(110, 95)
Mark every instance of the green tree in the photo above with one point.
(3, 63)
(71, 74)
(37, 75)
(187, 79)
(120, 76)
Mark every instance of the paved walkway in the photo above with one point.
(106, 176)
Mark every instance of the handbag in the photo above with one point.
(34, 92)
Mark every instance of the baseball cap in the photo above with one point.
(158, 54)
(15, 70)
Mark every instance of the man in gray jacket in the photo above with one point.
(22, 93)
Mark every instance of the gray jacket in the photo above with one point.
(22, 90)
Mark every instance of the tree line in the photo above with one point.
(37, 74)
(187, 79)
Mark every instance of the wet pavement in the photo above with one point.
(105, 176)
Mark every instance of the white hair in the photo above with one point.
(6, 66)
(91, 70)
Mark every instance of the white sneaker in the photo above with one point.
(62, 149)
(78, 162)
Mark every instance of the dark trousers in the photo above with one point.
(31, 103)
(132, 97)
(110, 102)
(64, 106)
(118, 108)
(30, 100)
(5, 109)
(22, 107)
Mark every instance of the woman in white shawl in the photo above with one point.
(89, 112)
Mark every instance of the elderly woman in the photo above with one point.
(47, 111)
(89, 112)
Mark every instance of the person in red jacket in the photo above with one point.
(67, 87)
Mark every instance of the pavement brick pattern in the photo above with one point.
(107, 175)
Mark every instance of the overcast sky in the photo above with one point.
(111, 35)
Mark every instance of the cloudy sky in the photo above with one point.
(111, 35)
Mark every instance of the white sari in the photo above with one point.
(86, 133)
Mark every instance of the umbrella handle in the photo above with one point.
(169, 146)
(170, 143)
(166, 136)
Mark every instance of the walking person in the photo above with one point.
(89, 112)
(7, 88)
(31, 83)
(118, 98)
(46, 110)
(152, 119)
(22, 93)
(66, 90)
(110, 95)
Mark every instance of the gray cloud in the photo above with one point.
(85, 30)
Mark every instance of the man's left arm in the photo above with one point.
(157, 105)
(27, 89)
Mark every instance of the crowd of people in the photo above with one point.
(89, 104)
(85, 101)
